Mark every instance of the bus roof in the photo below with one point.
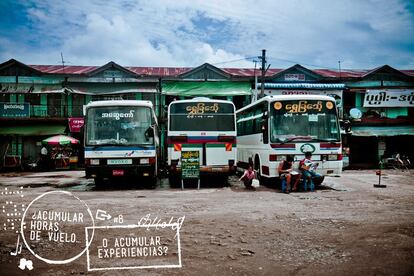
(119, 103)
(287, 98)
(201, 99)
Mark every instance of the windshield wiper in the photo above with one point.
(330, 140)
(296, 138)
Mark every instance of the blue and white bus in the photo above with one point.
(121, 140)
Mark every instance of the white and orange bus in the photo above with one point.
(276, 126)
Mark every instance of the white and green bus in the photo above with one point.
(276, 126)
(204, 125)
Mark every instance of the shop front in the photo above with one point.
(21, 144)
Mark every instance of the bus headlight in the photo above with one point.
(332, 157)
(281, 157)
(94, 161)
(144, 161)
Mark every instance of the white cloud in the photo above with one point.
(362, 34)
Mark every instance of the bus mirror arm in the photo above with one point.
(149, 133)
(345, 125)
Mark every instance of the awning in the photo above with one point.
(382, 131)
(206, 88)
(303, 85)
(36, 130)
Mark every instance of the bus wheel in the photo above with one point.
(257, 169)
(174, 181)
(152, 183)
(99, 182)
(318, 180)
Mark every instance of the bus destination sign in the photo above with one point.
(303, 106)
(202, 108)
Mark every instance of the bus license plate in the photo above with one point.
(119, 162)
(117, 172)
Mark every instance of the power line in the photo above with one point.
(302, 63)
(234, 60)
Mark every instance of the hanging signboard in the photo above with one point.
(75, 124)
(389, 98)
(12, 110)
(190, 164)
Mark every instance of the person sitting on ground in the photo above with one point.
(248, 177)
(285, 173)
(307, 168)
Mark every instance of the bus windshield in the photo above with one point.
(202, 116)
(303, 120)
(119, 125)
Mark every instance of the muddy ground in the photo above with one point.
(351, 229)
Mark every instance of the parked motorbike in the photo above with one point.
(397, 161)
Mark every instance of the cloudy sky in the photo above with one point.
(230, 33)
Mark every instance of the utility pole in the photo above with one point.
(264, 70)
(339, 65)
(263, 58)
(63, 62)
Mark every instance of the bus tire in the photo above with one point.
(152, 183)
(318, 180)
(175, 181)
(99, 182)
(256, 167)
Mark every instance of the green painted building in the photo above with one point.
(38, 101)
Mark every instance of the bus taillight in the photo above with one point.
(272, 157)
(331, 157)
(178, 139)
(228, 139)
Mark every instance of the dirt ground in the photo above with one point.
(353, 228)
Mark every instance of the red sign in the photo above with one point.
(75, 124)
(118, 172)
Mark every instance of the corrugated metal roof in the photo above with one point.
(249, 72)
(175, 71)
(343, 74)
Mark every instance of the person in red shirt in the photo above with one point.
(248, 177)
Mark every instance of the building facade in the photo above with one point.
(38, 101)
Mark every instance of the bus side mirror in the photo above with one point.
(149, 133)
(265, 132)
(345, 125)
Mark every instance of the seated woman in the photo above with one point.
(248, 177)
(285, 173)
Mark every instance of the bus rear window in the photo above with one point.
(202, 116)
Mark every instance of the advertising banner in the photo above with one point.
(12, 110)
(75, 124)
(389, 98)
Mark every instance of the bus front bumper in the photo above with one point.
(146, 171)
(208, 170)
